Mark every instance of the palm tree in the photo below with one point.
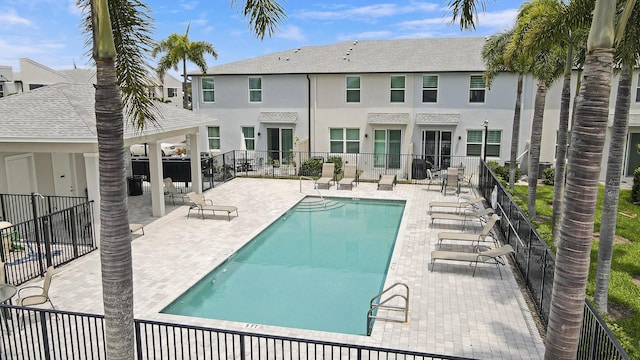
(627, 54)
(493, 54)
(119, 30)
(178, 49)
(585, 155)
(565, 26)
(546, 66)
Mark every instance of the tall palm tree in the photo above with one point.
(546, 66)
(564, 26)
(496, 61)
(585, 155)
(627, 54)
(178, 49)
(119, 31)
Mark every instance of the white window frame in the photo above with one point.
(472, 89)
(344, 141)
(481, 142)
(209, 138)
(436, 89)
(348, 89)
(249, 138)
(211, 90)
(397, 89)
(172, 92)
(257, 90)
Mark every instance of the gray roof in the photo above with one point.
(437, 119)
(461, 54)
(388, 118)
(66, 113)
(278, 117)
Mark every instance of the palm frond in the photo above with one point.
(264, 16)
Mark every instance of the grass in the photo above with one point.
(624, 294)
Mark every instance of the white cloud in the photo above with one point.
(502, 19)
(73, 8)
(188, 5)
(10, 17)
(487, 20)
(367, 13)
(290, 32)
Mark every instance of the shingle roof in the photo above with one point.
(66, 113)
(371, 56)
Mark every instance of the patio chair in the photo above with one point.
(202, 205)
(42, 295)
(481, 215)
(465, 236)
(327, 176)
(452, 181)
(490, 256)
(457, 205)
(171, 191)
(387, 182)
(433, 180)
(349, 176)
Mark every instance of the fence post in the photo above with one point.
(46, 222)
(36, 226)
(138, 340)
(45, 334)
(242, 350)
(74, 231)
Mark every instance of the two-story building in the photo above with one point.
(416, 96)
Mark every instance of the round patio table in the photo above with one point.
(6, 293)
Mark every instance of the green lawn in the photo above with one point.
(624, 294)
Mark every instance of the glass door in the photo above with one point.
(280, 144)
(633, 157)
(436, 148)
(386, 148)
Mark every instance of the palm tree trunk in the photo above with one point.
(515, 135)
(534, 150)
(561, 153)
(612, 188)
(115, 243)
(576, 229)
(185, 93)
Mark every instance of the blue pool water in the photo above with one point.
(309, 269)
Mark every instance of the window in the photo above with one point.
(638, 90)
(353, 89)
(1, 90)
(35, 86)
(397, 89)
(476, 89)
(208, 90)
(430, 88)
(475, 142)
(213, 133)
(172, 92)
(386, 148)
(249, 137)
(255, 89)
(344, 139)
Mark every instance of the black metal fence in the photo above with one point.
(283, 164)
(50, 334)
(17, 208)
(51, 239)
(536, 262)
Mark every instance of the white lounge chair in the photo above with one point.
(465, 236)
(202, 205)
(458, 205)
(481, 215)
(387, 182)
(490, 256)
(171, 191)
(349, 176)
(328, 175)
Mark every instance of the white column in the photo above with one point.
(155, 173)
(196, 165)
(92, 174)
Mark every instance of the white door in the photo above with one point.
(21, 174)
(64, 174)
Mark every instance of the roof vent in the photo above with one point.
(287, 59)
(355, 42)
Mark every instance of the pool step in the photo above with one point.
(318, 204)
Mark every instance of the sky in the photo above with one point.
(49, 31)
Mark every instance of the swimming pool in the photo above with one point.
(312, 268)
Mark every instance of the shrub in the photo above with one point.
(311, 167)
(549, 176)
(502, 171)
(635, 190)
(338, 164)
